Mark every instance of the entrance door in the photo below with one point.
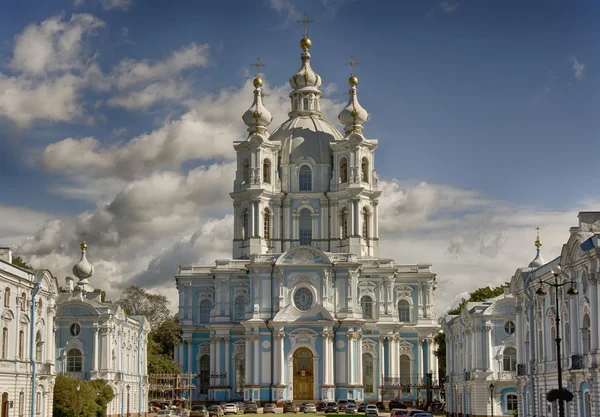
(4, 409)
(304, 377)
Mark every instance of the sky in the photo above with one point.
(118, 116)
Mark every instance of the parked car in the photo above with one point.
(397, 404)
(342, 405)
(320, 406)
(302, 405)
(371, 410)
(362, 407)
(289, 407)
(351, 409)
(215, 410)
(222, 405)
(423, 415)
(166, 413)
(398, 412)
(380, 405)
(230, 408)
(250, 407)
(199, 411)
(269, 408)
(331, 407)
(180, 412)
(310, 408)
(415, 412)
(241, 407)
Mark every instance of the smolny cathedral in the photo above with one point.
(306, 308)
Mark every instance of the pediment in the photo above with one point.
(289, 315)
(303, 255)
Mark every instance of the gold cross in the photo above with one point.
(83, 234)
(352, 63)
(257, 65)
(305, 21)
(538, 232)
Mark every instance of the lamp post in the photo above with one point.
(492, 397)
(556, 271)
(77, 388)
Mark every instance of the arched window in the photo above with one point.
(405, 379)
(587, 404)
(509, 359)
(38, 346)
(267, 171)
(267, 224)
(245, 224)
(240, 308)
(7, 297)
(38, 401)
(23, 301)
(246, 171)
(204, 368)
(367, 307)
(585, 335)
(305, 226)
(365, 223)
(205, 307)
(4, 342)
(305, 103)
(403, 311)
(367, 370)
(511, 402)
(21, 343)
(74, 360)
(240, 372)
(343, 170)
(21, 403)
(364, 169)
(344, 223)
(305, 178)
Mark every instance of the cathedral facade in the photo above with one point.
(306, 308)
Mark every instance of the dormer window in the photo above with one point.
(267, 171)
(343, 170)
(305, 103)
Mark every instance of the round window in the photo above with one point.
(509, 327)
(75, 329)
(303, 299)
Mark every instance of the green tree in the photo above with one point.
(89, 401)
(478, 296)
(138, 302)
(18, 261)
(440, 352)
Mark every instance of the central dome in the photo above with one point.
(306, 136)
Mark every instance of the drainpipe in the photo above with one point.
(36, 288)
(122, 371)
(140, 369)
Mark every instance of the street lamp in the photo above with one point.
(556, 271)
(492, 397)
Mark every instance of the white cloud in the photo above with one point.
(19, 223)
(578, 68)
(150, 94)
(123, 5)
(444, 7)
(287, 9)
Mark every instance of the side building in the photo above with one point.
(481, 358)
(28, 299)
(98, 340)
(577, 271)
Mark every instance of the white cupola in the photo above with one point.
(353, 116)
(257, 117)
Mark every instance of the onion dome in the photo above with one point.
(83, 269)
(305, 78)
(353, 116)
(257, 117)
(538, 260)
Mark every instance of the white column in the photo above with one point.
(420, 357)
(181, 355)
(259, 220)
(351, 232)
(188, 301)
(227, 342)
(247, 359)
(252, 219)
(490, 355)
(256, 358)
(359, 357)
(375, 219)
(95, 365)
(281, 359)
(350, 358)
(218, 368)
(190, 348)
(381, 369)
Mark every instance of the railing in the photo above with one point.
(467, 376)
(521, 369)
(506, 375)
(579, 362)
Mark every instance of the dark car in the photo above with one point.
(320, 406)
(215, 410)
(397, 404)
(331, 407)
(362, 407)
(397, 412)
(415, 412)
(199, 411)
(289, 407)
(302, 407)
(342, 405)
(380, 405)
(250, 408)
(269, 408)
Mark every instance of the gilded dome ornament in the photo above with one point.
(257, 117)
(353, 116)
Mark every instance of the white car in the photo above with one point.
(230, 408)
(310, 408)
(371, 410)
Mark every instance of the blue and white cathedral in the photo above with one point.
(306, 309)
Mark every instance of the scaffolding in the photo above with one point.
(172, 390)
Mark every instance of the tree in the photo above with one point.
(440, 352)
(18, 261)
(89, 401)
(478, 296)
(138, 302)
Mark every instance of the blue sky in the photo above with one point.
(491, 103)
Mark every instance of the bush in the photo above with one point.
(556, 394)
(90, 401)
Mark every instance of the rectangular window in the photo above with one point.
(4, 342)
(38, 400)
(21, 403)
(21, 342)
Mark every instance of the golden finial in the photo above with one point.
(258, 82)
(305, 43)
(538, 242)
(353, 80)
(83, 234)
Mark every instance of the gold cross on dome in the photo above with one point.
(257, 65)
(538, 231)
(352, 63)
(305, 21)
(83, 234)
